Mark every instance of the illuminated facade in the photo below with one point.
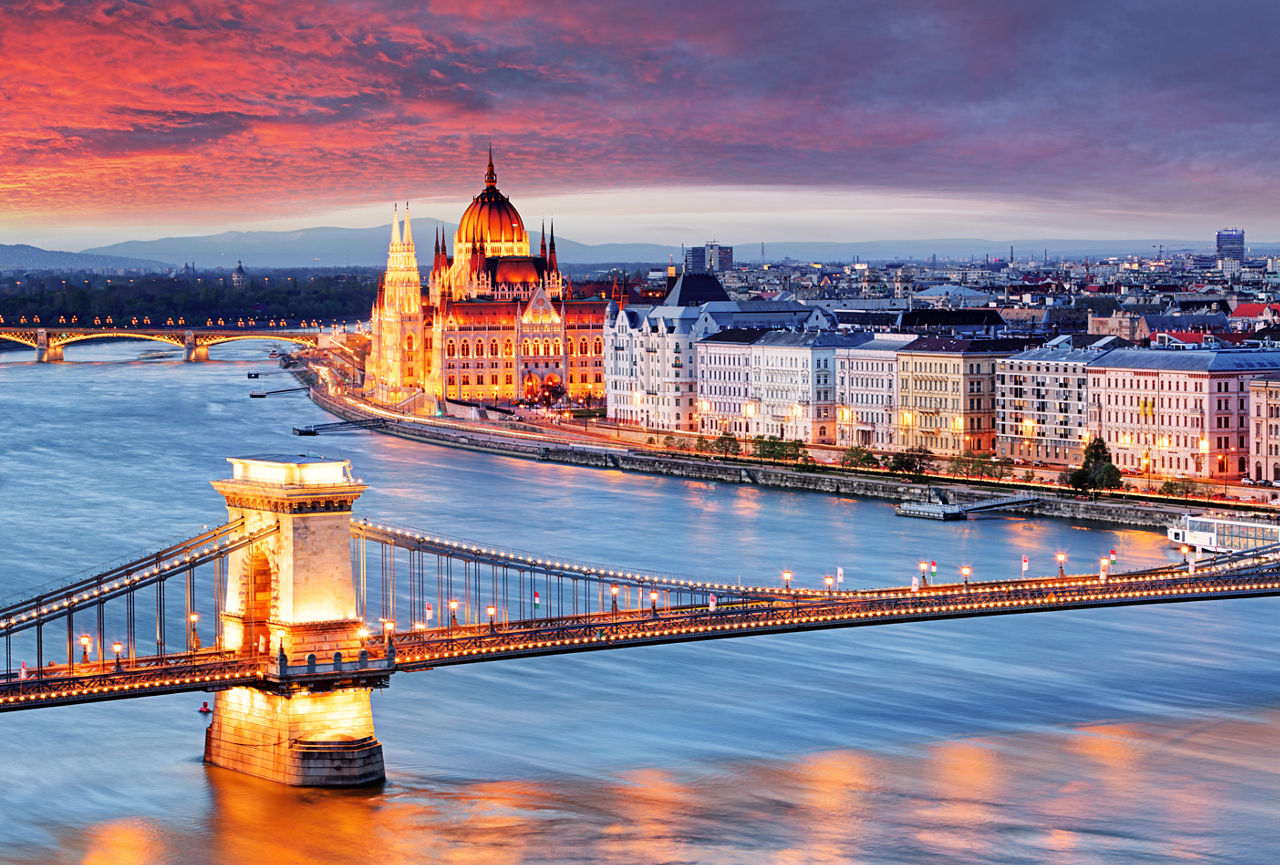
(496, 325)
(947, 393)
(1177, 412)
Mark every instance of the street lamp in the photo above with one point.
(388, 628)
(492, 628)
(1185, 549)
(1062, 574)
(613, 593)
(84, 648)
(653, 602)
(195, 636)
(786, 580)
(117, 647)
(831, 581)
(924, 579)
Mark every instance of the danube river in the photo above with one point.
(1136, 735)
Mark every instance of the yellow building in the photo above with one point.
(947, 393)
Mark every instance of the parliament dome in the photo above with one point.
(492, 221)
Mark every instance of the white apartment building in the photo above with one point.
(867, 390)
(650, 359)
(1042, 402)
(1177, 412)
(772, 383)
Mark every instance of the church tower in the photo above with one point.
(396, 356)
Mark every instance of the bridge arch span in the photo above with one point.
(65, 339)
(27, 339)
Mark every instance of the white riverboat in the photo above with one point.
(1222, 534)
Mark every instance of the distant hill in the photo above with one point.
(345, 247)
(367, 247)
(23, 257)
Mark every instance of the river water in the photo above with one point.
(1139, 735)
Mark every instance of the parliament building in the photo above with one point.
(496, 324)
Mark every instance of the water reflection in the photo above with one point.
(1106, 735)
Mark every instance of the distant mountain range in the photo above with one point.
(338, 247)
(347, 247)
(23, 257)
(367, 247)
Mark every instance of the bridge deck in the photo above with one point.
(785, 612)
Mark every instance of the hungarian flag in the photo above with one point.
(839, 575)
(428, 613)
(537, 600)
(711, 603)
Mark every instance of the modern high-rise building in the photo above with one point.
(710, 257)
(1231, 244)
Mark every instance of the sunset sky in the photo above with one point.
(642, 121)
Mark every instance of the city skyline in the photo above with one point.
(660, 124)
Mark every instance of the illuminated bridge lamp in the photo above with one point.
(388, 628)
(84, 648)
(453, 614)
(613, 592)
(492, 628)
(964, 571)
(653, 602)
(1062, 574)
(118, 647)
(924, 578)
(1102, 568)
(1185, 549)
(786, 580)
(831, 581)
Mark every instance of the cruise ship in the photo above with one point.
(1223, 535)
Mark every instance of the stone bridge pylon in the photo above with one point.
(290, 599)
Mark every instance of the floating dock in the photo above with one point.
(940, 511)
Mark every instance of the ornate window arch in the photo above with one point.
(493, 348)
(479, 348)
(466, 348)
(599, 346)
(508, 349)
(450, 350)
(582, 347)
(558, 348)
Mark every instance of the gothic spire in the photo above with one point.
(490, 176)
(544, 238)
(408, 232)
(395, 224)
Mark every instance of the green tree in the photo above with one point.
(858, 457)
(726, 444)
(916, 462)
(1097, 472)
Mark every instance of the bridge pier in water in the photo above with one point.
(290, 599)
(44, 351)
(191, 351)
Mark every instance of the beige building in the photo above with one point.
(1264, 402)
(1168, 412)
(947, 393)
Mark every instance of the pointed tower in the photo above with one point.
(396, 360)
(552, 265)
(543, 253)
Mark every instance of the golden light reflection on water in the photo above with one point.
(133, 841)
(1105, 792)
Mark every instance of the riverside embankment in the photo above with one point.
(512, 441)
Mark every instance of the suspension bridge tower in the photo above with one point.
(290, 599)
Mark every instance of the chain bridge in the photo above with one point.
(49, 342)
(292, 611)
